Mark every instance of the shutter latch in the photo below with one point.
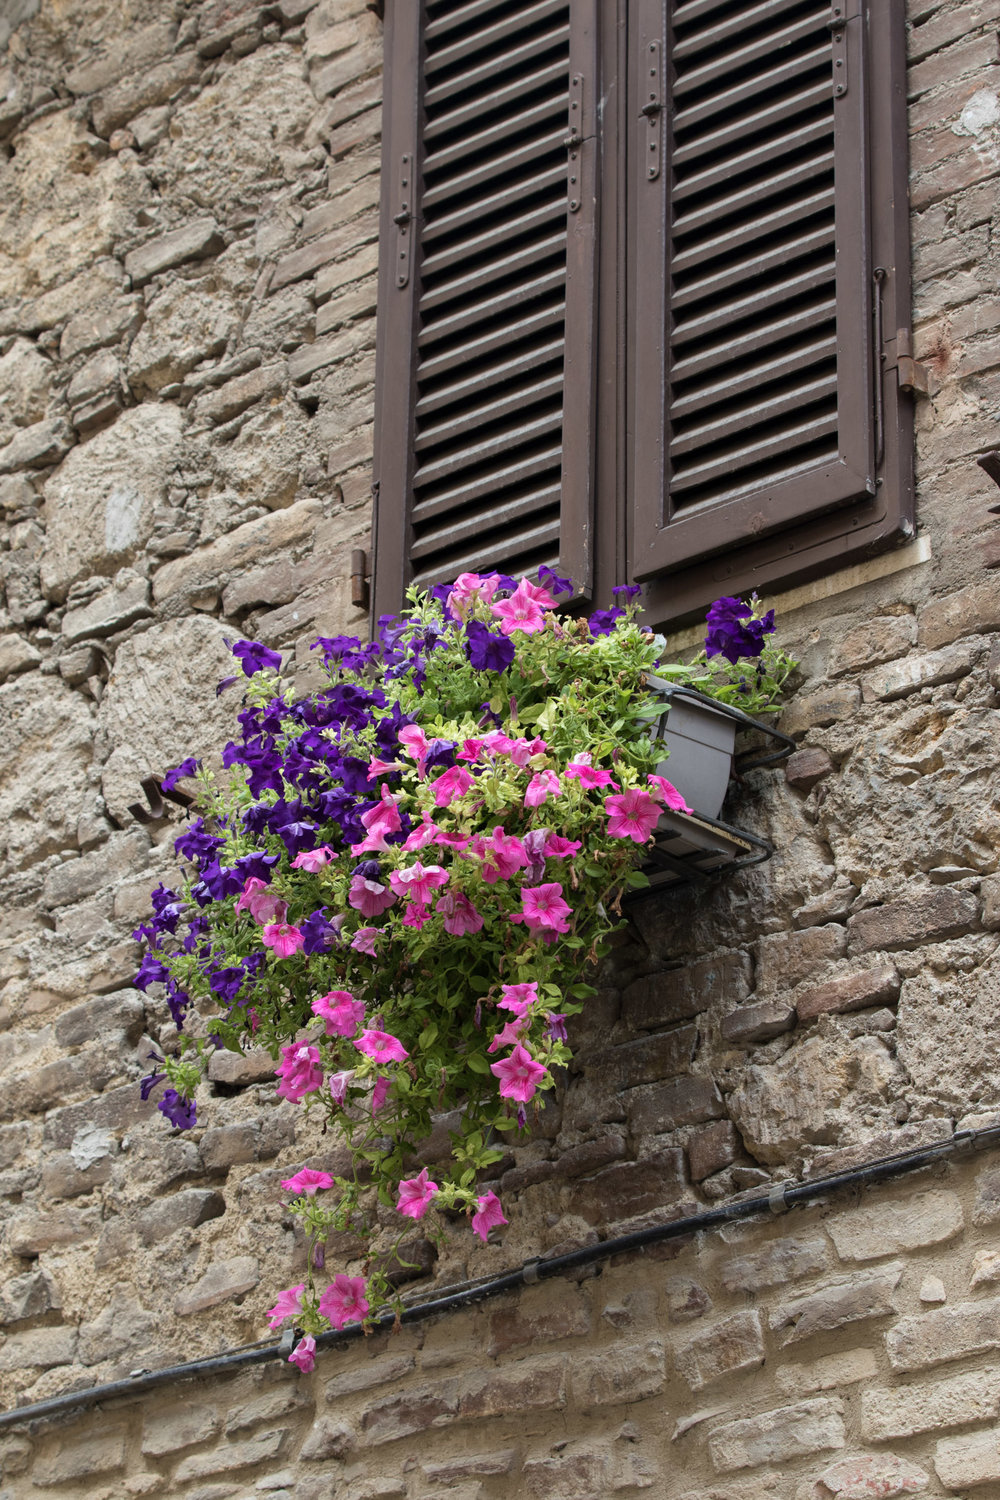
(403, 219)
(359, 578)
(652, 109)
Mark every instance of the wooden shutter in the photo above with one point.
(484, 431)
(768, 267)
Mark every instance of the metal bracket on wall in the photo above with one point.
(652, 109)
(912, 376)
(403, 218)
(837, 25)
(574, 142)
(359, 578)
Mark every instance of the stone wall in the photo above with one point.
(186, 371)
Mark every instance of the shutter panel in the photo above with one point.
(485, 379)
(761, 416)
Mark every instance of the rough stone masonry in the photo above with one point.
(188, 250)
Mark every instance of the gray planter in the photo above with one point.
(700, 737)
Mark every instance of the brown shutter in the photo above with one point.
(485, 370)
(768, 264)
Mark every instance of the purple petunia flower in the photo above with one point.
(186, 768)
(178, 1110)
(603, 621)
(553, 582)
(487, 652)
(255, 657)
(630, 590)
(733, 632)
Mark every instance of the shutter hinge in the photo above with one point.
(574, 141)
(403, 218)
(912, 376)
(651, 111)
(837, 25)
(359, 578)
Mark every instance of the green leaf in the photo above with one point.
(477, 1063)
(428, 1036)
(638, 880)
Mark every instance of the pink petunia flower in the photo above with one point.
(300, 1071)
(262, 904)
(283, 938)
(455, 841)
(377, 767)
(467, 588)
(380, 820)
(341, 1012)
(304, 1354)
(417, 916)
(518, 997)
(313, 859)
(454, 783)
(519, 1075)
(307, 1181)
(418, 881)
(369, 897)
(538, 593)
(416, 744)
(488, 1216)
(664, 791)
(339, 1084)
(504, 855)
(288, 1305)
(632, 815)
(471, 749)
(520, 612)
(380, 1091)
(344, 1300)
(587, 775)
(543, 907)
(381, 1045)
(415, 1195)
(543, 784)
(363, 940)
(421, 835)
(460, 916)
(498, 743)
(556, 847)
(510, 1034)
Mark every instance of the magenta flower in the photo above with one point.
(380, 820)
(498, 743)
(539, 594)
(587, 775)
(307, 1181)
(363, 940)
(455, 841)
(313, 859)
(415, 1195)
(518, 997)
(300, 1071)
(452, 784)
(416, 742)
(504, 856)
(521, 611)
(262, 904)
(471, 749)
(283, 938)
(519, 1075)
(488, 1216)
(543, 784)
(664, 791)
(418, 881)
(421, 835)
(338, 1085)
(556, 847)
(344, 1301)
(382, 1046)
(467, 588)
(544, 907)
(288, 1305)
(341, 1012)
(369, 898)
(460, 916)
(633, 815)
(380, 1092)
(304, 1354)
(377, 767)
(417, 916)
(510, 1034)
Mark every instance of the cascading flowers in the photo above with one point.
(400, 887)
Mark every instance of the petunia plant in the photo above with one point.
(401, 882)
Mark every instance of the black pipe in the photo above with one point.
(781, 1197)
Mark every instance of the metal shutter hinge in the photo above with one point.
(837, 26)
(651, 111)
(359, 578)
(574, 141)
(912, 376)
(403, 219)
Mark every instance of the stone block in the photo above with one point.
(721, 1348)
(224, 1280)
(667, 1106)
(631, 1188)
(145, 89)
(536, 1384)
(399, 1416)
(806, 768)
(239, 1068)
(650, 1058)
(712, 1149)
(878, 640)
(96, 327)
(183, 1210)
(679, 994)
(778, 1436)
(970, 611)
(562, 1315)
(888, 1413)
(224, 1146)
(471, 1466)
(888, 1228)
(326, 1440)
(38, 1349)
(112, 609)
(236, 395)
(828, 1373)
(266, 1408)
(62, 1178)
(968, 1461)
(848, 992)
(123, 1011)
(927, 916)
(124, 1327)
(871, 1476)
(784, 1260)
(619, 1376)
(820, 707)
(33, 1233)
(185, 576)
(16, 655)
(116, 1111)
(192, 241)
(231, 1458)
(899, 678)
(28, 1296)
(943, 1334)
(757, 1023)
(382, 1370)
(590, 1156)
(852, 1300)
(171, 1428)
(785, 959)
(83, 1456)
(76, 879)
(37, 446)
